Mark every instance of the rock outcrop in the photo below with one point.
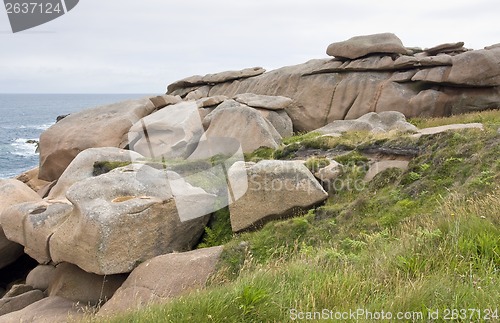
(108, 223)
(377, 73)
(276, 189)
(123, 218)
(173, 132)
(478, 68)
(104, 126)
(163, 278)
(130, 187)
(247, 125)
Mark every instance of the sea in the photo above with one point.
(23, 117)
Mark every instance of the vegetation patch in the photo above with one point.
(262, 153)
(103, 167)
(218, 231)
(316, 163)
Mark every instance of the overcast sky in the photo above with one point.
(140, 46)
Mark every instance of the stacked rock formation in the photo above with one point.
(126, 190)
(372, 73)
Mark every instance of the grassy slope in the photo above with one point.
(420, 240)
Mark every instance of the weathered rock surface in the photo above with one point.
(211, 79)
(275, 189)
(199, 93)
(263, 101)
(445, 48)
(9, 304)
(41, 277)
(479, 68)
(234, 120)
(47, 310)
(163, 278)
(329, 173)
(374, 122)
(104, 126)
(173, 132)
(32, 225)
(325, 90)
(82, 167)
(18, 289)
(70, 282)
(280, 121)
(226, 104)
(125, 217)
(30, 178)
(211, 101)
(162, 101)
(12, 192)
(360, 46)
(382, 165)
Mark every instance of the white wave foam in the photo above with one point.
(21, 147)
(44, 126)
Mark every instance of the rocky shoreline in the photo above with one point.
(124, 192)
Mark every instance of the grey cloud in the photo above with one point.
(141, 46)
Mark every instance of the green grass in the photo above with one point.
(419, 240)
(314, 164)
(491, 117)
(300, 137)
(218, 230)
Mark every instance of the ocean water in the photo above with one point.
(24, 117)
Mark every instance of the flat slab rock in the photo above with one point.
(47, 310)
(9, 304)
(382, 165)
(458, 126)
(359, 46)
(373, 122)
(445, 48)
(214, 78)
(268, 102)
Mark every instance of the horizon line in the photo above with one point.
(48, 93)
